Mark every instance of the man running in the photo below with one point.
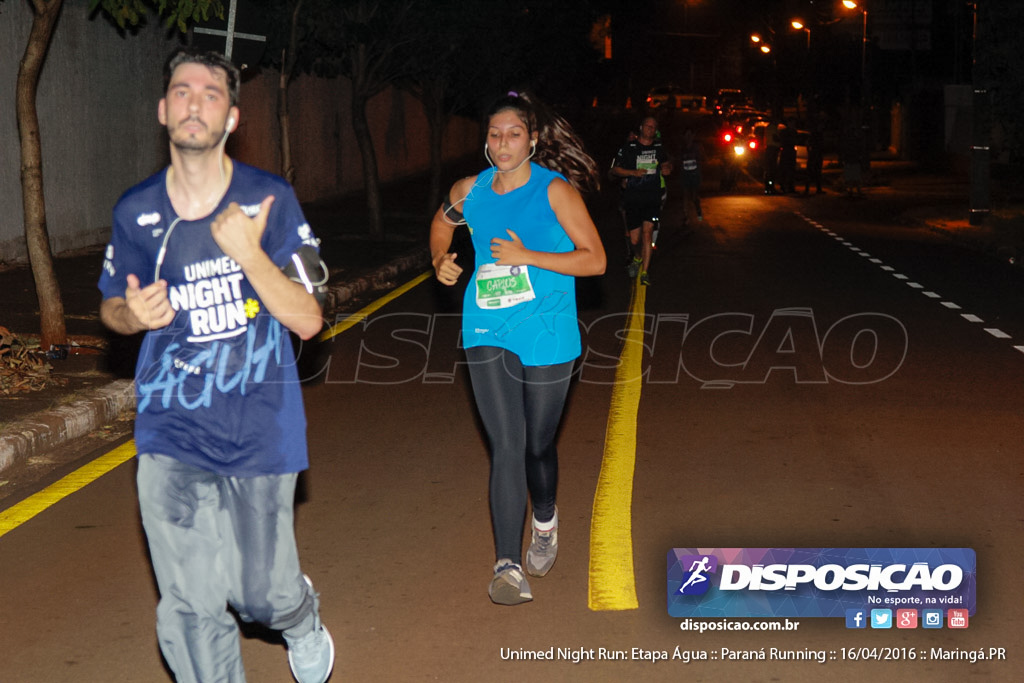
(642, 162)
(215, 262)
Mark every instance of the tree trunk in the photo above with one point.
(287, 67)
(369, 158)
(287, 169)
(37, 238)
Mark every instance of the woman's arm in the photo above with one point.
(442, 230)
(588, 258)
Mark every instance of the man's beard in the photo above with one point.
(187, 144)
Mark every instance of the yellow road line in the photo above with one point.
(362, 314)
(18, 514)
(25, 510)
(612, 584)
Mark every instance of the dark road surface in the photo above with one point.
(746, 437)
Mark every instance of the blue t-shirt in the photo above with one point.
(217, 388)
(541, 331)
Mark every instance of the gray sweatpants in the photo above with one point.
(214, 541)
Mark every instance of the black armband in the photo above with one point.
(308, 269)
(449, 211)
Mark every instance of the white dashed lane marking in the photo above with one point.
(953, 306)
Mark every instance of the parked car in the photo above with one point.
(674, 97)
(755, 157)
(694, 103)
(665, 96)
(744, 112)
(737, 149)
(728, 97)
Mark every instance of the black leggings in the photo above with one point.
(520, 407)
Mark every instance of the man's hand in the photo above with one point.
(238, 235)
(150, 305)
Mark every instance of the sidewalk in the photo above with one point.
(92, 386)
(1001, 233)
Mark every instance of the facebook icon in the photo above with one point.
(856, 618)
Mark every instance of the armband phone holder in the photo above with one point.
(308, 269)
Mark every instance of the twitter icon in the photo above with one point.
(881, 618)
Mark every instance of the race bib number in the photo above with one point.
(648, 168)
(502, 286)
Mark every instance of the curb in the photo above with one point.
(381, 278)
(48, 429)
(1002, 251)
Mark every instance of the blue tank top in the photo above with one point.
(543, 330)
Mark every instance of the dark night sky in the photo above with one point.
(704, 44)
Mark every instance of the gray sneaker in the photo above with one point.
(543, 550)
(509, 585)
(311, 657)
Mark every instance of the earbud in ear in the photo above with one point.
(231, 122)
(533, 143)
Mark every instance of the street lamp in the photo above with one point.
(799, 26)
(761, 45)
(808, 77)
(850, 4)
(864, 107)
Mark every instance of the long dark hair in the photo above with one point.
(558, 147)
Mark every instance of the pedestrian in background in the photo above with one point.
(532, 237)
(642, 163)
(787, 157)
(851, 154)
(771, 156)
(815, 158)
(691, 158)
(215, 262)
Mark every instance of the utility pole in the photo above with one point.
(981, 115)
(866, 118)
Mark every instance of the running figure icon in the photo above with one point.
(697, 570)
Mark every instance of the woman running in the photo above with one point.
(532, 236)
